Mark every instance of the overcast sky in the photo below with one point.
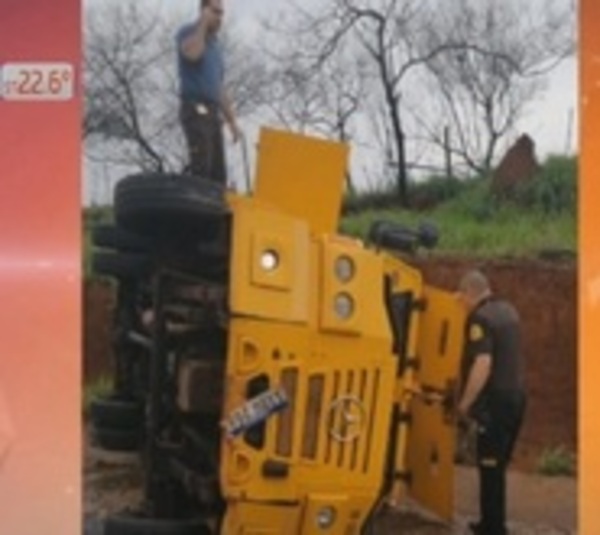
(547, 121)
(552, 121)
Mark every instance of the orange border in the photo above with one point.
(589, 270)
(40, 281)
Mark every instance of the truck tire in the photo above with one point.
(117, 440)
(163, 204)
(113, 237)
(114, 413)
(121, 265)
(132, 524)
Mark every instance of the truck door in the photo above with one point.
(431, 440)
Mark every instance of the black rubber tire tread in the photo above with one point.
(129, 524)
(114, 413)
(113, 237)
(150, 203)
(121, 265)
(117, 439)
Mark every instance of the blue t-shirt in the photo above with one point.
(201, 79)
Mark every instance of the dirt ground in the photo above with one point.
(537, 505)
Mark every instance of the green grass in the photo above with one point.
(558, 461)
(92, 217)
(509, 234)
(100, 387)
(540, 215)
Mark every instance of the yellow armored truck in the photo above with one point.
(277, 378)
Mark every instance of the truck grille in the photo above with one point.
(313, 418)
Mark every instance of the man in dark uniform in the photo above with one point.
(204, 100)
(493, 393)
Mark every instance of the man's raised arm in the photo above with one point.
(193, 43)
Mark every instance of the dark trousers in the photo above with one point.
(204, 135)
(497, 434)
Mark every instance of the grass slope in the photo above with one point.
(540, 215)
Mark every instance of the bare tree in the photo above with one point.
(320, 102)
(131, 114)
(389, 34)
(430, 64)
(483, 88)
(130, 117)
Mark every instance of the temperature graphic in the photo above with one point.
(36, 81)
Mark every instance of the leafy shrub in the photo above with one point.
(377, 198)
(435, 190)
(558, 461)
(99, 388)
(475, 202)
(92, 217)
(426, 194)
(553, 190)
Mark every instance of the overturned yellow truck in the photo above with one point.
(256, 296)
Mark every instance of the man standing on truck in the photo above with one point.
(493, 393)
(204, 100)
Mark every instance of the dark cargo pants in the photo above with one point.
(498, 430)
(204, 135)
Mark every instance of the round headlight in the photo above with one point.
(344, 268)
(326, 517)
(344, 306)
(269, 260)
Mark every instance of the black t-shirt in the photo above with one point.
(493, 328)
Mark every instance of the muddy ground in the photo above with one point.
(537, 505)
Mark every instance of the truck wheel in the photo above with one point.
(119, 440)
(113, 237)
(132, 524)
(114, 413)
(122, 265)
(163, 204)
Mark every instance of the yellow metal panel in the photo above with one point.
(302, 176)
(349, 514)
(361, 368)
(441, 338)
(364, 289)
(275, 348)
(431, 442)
(281, 293)
(431, 459)
(243, 518)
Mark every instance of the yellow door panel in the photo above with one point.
(440, 339)
(302, 177)
(430, 458)
(431, 433)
